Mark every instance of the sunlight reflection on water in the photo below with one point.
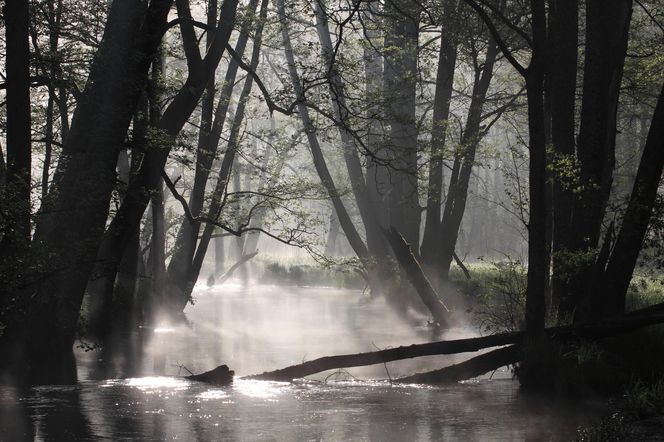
(262, 328)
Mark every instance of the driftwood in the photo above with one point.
(221, 375)
(415, 274)
(223, 278)
(562, 334)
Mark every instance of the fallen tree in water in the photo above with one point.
(508, 354)
(475, 366)
(406, 258)
(223, 278)
(469, 369)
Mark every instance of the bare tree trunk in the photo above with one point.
(130, 213)
(469, 369)
(375, 241)
(441, 112)
(562, 84)
(607, 26)
(377, 175)
(72, 221)
(618, 274)
(401, 42)
(16, 204)
(404, 254)
(464, 161)
(347, 225)
(184, 287)
(563, 334)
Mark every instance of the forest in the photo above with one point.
(484, 172)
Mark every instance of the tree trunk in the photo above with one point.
(464, 160)
(185, 286)
(618, 274)
(562, 84)
(441, 112)
(377, 174)
(375, 241)
(607, 26)
(469, 369)
(130, 213)
(72, 221)
(332, 234)
(537, 260)
(401, 44)
(345, 221)
(16, 205)
(404, 254)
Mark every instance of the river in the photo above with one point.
(134, 392)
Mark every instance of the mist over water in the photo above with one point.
(136, 393)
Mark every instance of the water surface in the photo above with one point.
(132, 391)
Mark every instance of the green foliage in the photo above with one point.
(611, 429)
(497, 292)
(283, 272)
(643, 399)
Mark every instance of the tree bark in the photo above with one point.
(563, 16)
(16, 205)
(345, 221)
(455, 204)
(624, 255)
(404, 254)
(469, 369)
(441, 112)
(185, 286)
(537, 257)
(130, 213)
(73, 217)
(401, 54)
(607, 26)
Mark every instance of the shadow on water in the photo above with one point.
(130, 389)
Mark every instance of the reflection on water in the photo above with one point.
(130, 389)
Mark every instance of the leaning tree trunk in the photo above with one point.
(149, 176)
(455, 204)
(563, 334)
(182, 288)
(212, 123)
(618, 274)
(71, 224)
(345, 221)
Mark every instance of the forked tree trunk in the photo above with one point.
(607, 31)
(441, 111)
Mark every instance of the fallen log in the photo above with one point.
(244, 258)
(562, 334)
(469, 369)
(221, 375)
(393, 354)
(416, 276)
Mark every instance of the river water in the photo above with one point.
(133, 392)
